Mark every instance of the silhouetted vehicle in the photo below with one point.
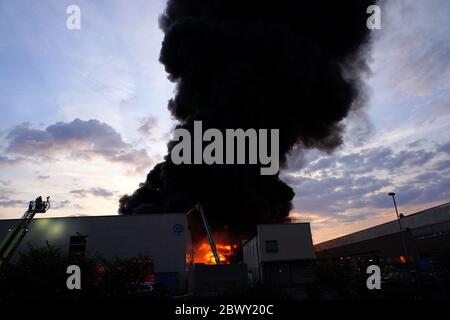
(399, 275)
(141, 289)
(147, 289)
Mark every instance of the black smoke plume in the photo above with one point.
(253, 64)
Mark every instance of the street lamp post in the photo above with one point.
(392, 194)
(411, 265)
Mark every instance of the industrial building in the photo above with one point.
(160, 237)
(280, 254)
(424, 233)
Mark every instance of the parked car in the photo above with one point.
(141, 289)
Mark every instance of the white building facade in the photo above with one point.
(280, 254)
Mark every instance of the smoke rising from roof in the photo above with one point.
(289, 65)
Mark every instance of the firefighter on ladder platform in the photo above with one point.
(15, 236)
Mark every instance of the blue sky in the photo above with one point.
(84, 114)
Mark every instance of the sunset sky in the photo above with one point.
(84, 115)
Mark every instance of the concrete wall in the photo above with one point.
(288, 273)
(250, 254)
(220, 278)
(294, 242)
(161, 237)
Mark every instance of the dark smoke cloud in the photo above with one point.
(252, 64)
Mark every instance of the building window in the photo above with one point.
(271, 246)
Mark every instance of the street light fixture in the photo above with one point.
(412, 267)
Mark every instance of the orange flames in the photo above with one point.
(204, 254)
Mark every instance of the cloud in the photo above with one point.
(441, 165)
(95, 192)
(6, 161)
(139, 158)
(65, 204)
(445, 148)
(412, 47)
(78, 139)
(81, 137)
(150, 129)
(5, 183)
(148, 126)
(372, 159)
(333, 195)
(423, 189)
(5, 193)
(319, 220)
(335, 185)
(6, 203)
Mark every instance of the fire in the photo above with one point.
(204, 254)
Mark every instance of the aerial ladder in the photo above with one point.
(198, 207)
(15, 236)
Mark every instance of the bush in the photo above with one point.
(40, 273)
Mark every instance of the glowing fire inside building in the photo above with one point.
(204, 254)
